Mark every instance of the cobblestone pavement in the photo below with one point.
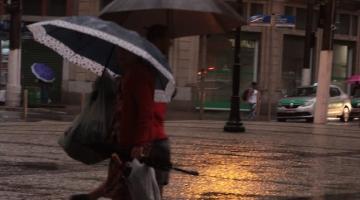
(270, 160)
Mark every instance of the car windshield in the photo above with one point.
(305, 92)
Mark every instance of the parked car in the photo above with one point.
(301, 105)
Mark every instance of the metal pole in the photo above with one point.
(270, 67)
(309, 44)
(234, 123)
(325, 66)
(13, 95)
(202, 94)
(328, 34)
(26, 102)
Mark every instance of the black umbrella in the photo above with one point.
(89, 42)
(182, 17)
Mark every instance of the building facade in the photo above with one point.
(31, 51)
(271, 56)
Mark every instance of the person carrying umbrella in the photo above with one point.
(45, 77)
(147, 85)
(140, 120)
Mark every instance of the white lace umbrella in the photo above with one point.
(89, 42)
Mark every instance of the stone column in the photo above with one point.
(274, 58)
(13, 91)
(184, 61)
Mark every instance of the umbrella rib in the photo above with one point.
(109, 57)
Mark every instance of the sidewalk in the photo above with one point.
(58, 113)
(269, 161)
(67, 113)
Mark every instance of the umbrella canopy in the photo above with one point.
(43, 72)
(90, 42)
(183, 17)
(353, 79)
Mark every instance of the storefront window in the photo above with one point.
(220, 60)
(342, 64)
(292, 63)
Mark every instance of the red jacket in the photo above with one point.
(141, 119)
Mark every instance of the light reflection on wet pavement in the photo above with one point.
(270, 161)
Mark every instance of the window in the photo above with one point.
(343, 53)
(343, 24)
(300, 18)
(32, 7)
(56, 7)
(334, 92)
(292, 62)
(219, 60)
(256, 9)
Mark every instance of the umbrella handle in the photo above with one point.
(189, 172)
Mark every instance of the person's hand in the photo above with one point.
(137, 152)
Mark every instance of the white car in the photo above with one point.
(302, 104)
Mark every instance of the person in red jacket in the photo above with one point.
(143, 123)
(139, 121)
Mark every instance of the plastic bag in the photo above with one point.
(88, 140)
(142, 183)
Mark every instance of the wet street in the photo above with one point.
(295, 161)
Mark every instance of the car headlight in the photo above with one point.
(309, 103)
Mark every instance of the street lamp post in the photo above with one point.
(309, 44)
(234, 123)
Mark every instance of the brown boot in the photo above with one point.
(113, 185)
